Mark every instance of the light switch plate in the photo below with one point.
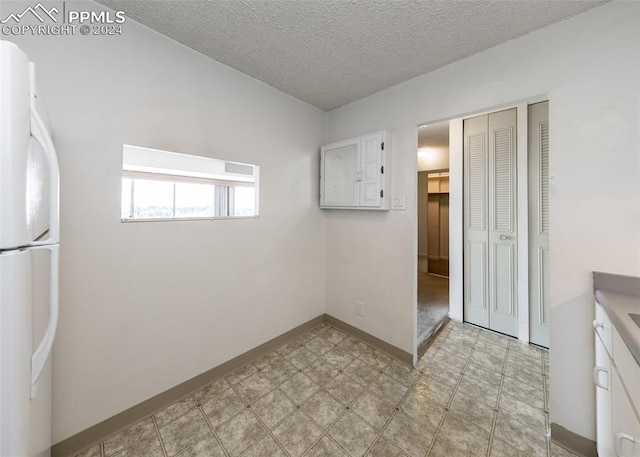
(399, 202)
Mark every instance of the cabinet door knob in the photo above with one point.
(597, 324)
(503, 237)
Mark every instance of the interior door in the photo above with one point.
(539, 223)
(490, 211)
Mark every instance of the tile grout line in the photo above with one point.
(211, 427)
(157, 430)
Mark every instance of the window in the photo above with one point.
(161, 185)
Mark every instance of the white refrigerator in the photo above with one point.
(29, 195)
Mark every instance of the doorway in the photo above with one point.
(433, 232)
(531, 190)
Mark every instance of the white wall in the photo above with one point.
(146, 306)
(588, 67)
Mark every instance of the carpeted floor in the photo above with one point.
(433, 307)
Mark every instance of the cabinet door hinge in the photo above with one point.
(382, 145)
(381, 193)
(382, 170)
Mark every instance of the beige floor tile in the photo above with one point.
(174, 411)
(354, 345)
(319, 345)
(527, 362)
(301, 357)
(299, 387)
(480, 372)
(520, 436)
(389, 389)
(353, 434)
(266, 447)
(326, 448)
(479, 390)
(321, 371)
(408, 435)
(323, 408)
(402, 372)
(442, 448)
(375, 358)
(360, 370)
(254, 387)
(501, 449)
(384, 448)
(184, 431)
(339, 357)
(528, 394)
(420, 407)
(242, 373)
(273, 407)
(240, 433)
(474, 411)
(522, 411)
(519, 373)
(345, 389)
(438, 389)
(490, 361)
(128, 436)
(206, 447)
(373, 409)
(146, 447)
(279, 371)
(212, 390)
(464, 435)
(296, 434)
(222, 407)
(334, 335)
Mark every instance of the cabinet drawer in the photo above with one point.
(628, 369)
(604, 328)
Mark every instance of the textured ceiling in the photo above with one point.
(332, 52)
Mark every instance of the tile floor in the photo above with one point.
(328, 394)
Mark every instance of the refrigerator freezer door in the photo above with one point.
(16, 324)
(14, 141)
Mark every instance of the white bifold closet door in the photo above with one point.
(539, 223)
(490, 221)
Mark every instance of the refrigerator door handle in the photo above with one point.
(41, 354)
(42, 136)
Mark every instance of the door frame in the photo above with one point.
(456, 212)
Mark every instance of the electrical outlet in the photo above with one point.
(360, 308)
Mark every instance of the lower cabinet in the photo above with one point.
(602, 380)
(618, 422)
(625, 424)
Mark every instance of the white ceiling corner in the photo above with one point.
(331, 52)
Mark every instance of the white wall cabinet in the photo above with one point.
(615, 376)
(356, 173)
